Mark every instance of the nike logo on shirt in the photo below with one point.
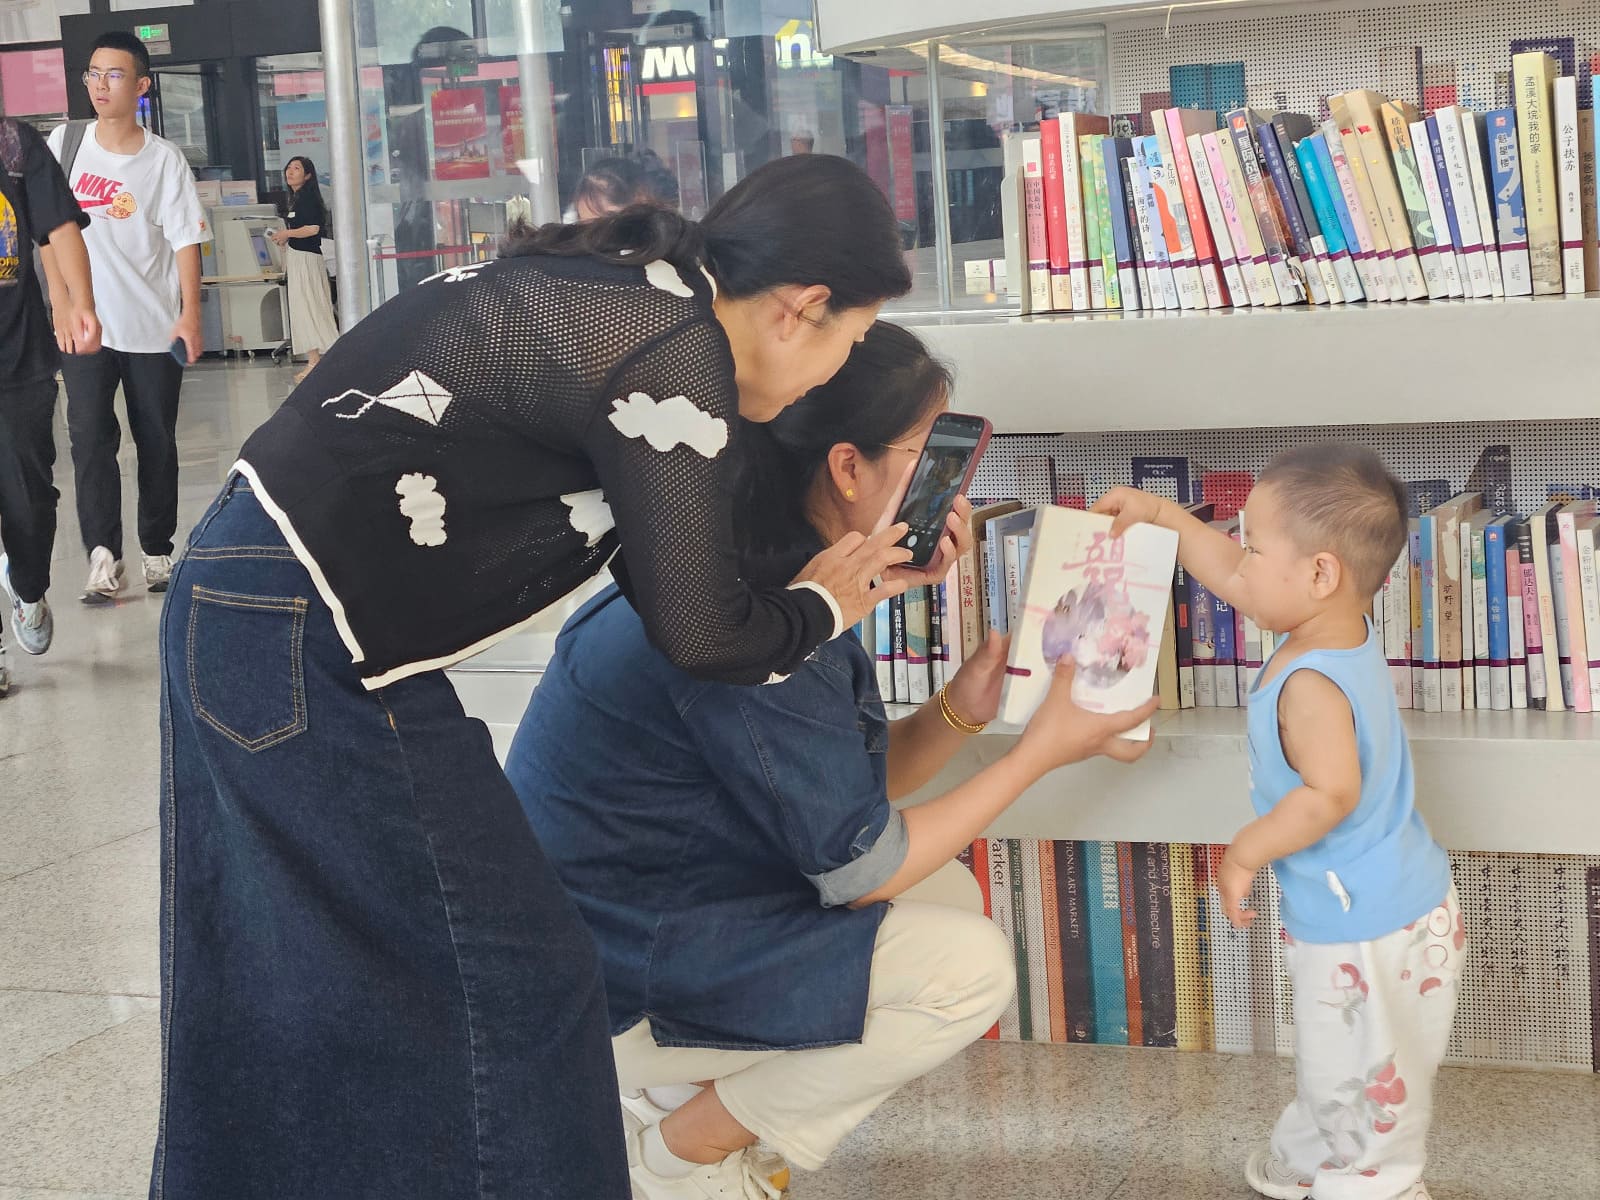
(95, 191)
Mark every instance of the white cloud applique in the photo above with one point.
(423, 506)
(416, 395)
(664, 275)
(670, 422)
(591, 515)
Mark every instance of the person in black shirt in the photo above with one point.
(373, 982)
(311, 320)
(36, 208)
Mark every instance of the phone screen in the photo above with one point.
(943, 473)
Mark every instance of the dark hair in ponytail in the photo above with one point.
(807, 219)
(889, 384)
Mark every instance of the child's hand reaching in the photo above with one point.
(1129, 506)
(1234, 882)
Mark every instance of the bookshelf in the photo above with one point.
(1418, 363)
(1517, 782)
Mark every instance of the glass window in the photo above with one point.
(694, 98)
(990, 87)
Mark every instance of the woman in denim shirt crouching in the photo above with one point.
(734, 849)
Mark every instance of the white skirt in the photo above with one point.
(311, 320)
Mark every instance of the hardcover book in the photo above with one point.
(1096, 601)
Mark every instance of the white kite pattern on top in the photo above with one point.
(416, 395)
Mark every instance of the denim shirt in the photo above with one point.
(713, 836)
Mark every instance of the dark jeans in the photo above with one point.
(150, 384)
(27, 490)
(373, 984)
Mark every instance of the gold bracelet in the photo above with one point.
(954, 721)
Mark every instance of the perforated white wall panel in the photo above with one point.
(1294, 58)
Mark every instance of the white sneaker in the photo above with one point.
(5, 675)
(105, 577)
(157, 571)
(1269, 1177)
(31, 623)
(639, 1112)
(734, 1178)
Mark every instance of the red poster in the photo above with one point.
(902, 166)
(460, 134)
(513, 142)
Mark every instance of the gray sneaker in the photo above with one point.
(31, 623)
(5, 675)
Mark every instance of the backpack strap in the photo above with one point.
(70, 141)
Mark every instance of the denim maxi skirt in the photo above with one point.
(373, 984)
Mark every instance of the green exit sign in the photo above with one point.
(151, 33)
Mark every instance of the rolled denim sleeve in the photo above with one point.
(805, 758)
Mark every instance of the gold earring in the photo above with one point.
(849, 493)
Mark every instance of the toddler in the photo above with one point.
(1374, 939)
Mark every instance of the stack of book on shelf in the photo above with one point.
(1251, 208)
(1485, 609)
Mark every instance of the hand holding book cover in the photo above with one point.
(1094, 600)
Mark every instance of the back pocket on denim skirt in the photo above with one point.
(246, 675)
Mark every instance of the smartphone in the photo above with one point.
(180, 351)
(945, 470)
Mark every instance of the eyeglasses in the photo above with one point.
(907, 449)
(92, 77)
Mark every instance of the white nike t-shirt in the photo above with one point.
(142, 208)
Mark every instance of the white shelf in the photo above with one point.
(1517, 782)
(1480, 360)
(850, 26)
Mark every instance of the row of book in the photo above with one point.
(1377, 203)
(1482, 610)
(1486, 610)
(1125, 943)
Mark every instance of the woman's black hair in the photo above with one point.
(808, 219)
(612, 184)
(889, 385)
(311, 189)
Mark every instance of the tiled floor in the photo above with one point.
(78, 976)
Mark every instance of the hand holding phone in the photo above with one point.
(949, 460)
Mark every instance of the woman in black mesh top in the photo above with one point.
(372, 982)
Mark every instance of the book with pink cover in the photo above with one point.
(1099, 601)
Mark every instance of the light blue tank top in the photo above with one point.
(1379, 869)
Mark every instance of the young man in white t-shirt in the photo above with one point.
(144, 236)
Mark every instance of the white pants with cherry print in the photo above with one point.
(1372, 1022)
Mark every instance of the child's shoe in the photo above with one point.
(1270, 1177)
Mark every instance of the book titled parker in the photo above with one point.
(1094, 600)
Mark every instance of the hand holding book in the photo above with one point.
(1062, 731)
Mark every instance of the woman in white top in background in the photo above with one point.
(311, 320)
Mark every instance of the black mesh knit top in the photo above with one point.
(485, 442)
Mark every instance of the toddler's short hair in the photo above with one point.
(1339, 496)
